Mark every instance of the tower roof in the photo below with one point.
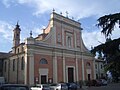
(17, 27)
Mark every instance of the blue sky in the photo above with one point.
(35, 14)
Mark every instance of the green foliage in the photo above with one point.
(107, 23)
(108, 47)
(111, 53)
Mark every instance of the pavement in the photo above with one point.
(112, 86)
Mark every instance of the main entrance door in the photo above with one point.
(88, 76)
(70, 74)
(43, 79)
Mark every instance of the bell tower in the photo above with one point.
(16, 37)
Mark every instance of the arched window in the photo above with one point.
(69, 41)
(13, 64)
(18, 50)
(22, 63)
(43, 61)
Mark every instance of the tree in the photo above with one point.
(110, 48)
(108, 22)
(111, 54)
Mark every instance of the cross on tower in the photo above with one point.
(53, 10)
(66, 14)
(30, 33)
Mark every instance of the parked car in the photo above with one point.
(104, 82)
(95, 83)
(59, 86)
(72, 86)
(2, 80)
(40, 87)
(36, 87)
(46, 87)
(14, 87)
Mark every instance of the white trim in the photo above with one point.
(67, 72)
(88, 71)
(54, 36)
(25, 69)
(75, 41)
(43, 71)
(31, 70)
(77, 78)
(54, 69)
(81, 46)
(94, 69)
(62, 35)
(64, 76)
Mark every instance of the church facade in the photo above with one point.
(56, 55)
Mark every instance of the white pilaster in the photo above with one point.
(62, 34)
(54, 35)
(54, 69)
(77, 69)
(25, 69)
(64, 76)
(94, 68)
(75, 40)
(83, 70)
(81, 46)
(31, 69)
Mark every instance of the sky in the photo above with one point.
(34, 15)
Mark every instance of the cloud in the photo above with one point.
(92, 39)
(95, 38)
(25, 32)
(5, 36)
(5, 2)
(5, 29)
(35, 31)
(78, 8)
(116, 32)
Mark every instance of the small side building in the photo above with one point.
(99, 69)
(3, 56)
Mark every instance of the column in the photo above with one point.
(81, 46)
(54, 69)
(31, 69)
(94, 71)
(83, 71)
(25, 69)
(64, 77)
(62, 34)
(76, 68)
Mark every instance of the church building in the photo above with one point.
(56, 55)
